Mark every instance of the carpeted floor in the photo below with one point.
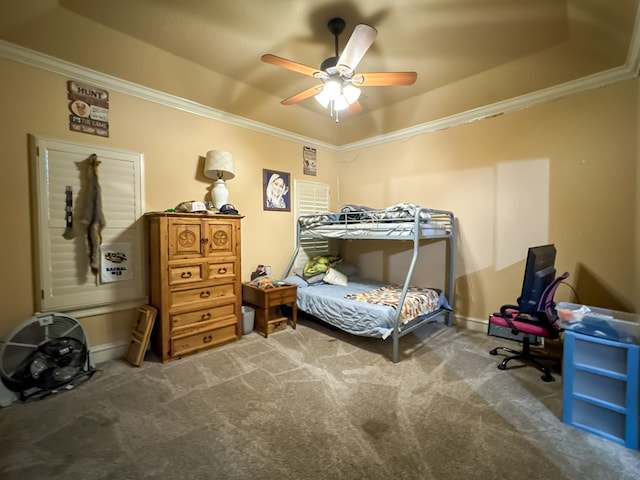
(311, 403)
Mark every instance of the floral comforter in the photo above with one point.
(418, 301)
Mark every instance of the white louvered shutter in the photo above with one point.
(310, 197)
(64, 280)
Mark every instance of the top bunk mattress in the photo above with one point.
(403, 220)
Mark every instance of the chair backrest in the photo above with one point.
(546, 303)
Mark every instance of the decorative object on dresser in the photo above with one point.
(219, 166)
(266, 302)
(195, 281)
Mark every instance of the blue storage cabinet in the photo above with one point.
(601, 387)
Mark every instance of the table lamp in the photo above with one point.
(219, 166)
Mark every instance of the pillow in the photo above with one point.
(319, 264)
(313, 279)
(297, 281)
(348, 269)
(335, 277)
(315, 266)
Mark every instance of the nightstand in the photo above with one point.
(265, 301)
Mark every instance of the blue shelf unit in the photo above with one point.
(601, 387)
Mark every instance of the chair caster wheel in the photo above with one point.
(494, 351)
(547, 378)
(502, 367)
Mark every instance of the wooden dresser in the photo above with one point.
(195, 281)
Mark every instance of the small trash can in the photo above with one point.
(248, 317)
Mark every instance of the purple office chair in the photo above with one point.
(543, 322)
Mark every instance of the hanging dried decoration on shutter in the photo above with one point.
(93, 215)
(68, 213)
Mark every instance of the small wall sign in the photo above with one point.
(89, 109)
(116, 262)
(309, 161)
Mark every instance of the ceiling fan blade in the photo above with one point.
(383, 79)
(355, 107)
(290, 65)
(358, 44)
(309, 92)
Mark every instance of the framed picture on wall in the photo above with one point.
(275, 190)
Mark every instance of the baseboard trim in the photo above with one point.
(475, 324)
(111, 351)
(107, 351)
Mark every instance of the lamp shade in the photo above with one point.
(219, 165)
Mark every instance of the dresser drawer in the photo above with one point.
(183, 344)
(222, 269)
(211, 293)
(210, 314)
(179, 274)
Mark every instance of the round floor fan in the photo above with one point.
(45, 354)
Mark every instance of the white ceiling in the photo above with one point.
(467, 53)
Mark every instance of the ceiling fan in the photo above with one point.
(339, 89)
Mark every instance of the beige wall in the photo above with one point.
(574, 162)
(564, 173)
(173, 143)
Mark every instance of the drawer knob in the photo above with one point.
(206, 316)
(206, 294)
(186, 275)
(207, 339)
(222, 270)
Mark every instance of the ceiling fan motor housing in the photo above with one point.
(328, 63)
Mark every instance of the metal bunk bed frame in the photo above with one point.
(438, 217)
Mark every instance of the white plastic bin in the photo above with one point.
(248, 317)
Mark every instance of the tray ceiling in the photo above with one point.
(467, 53)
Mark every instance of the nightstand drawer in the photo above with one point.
(267, 327)
(191, 342)
(281, 295)
(268, 297)
(190, 319)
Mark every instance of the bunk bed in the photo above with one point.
(364, 307)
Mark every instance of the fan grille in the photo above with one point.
(37, 330)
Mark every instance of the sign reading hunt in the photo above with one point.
(89, 109)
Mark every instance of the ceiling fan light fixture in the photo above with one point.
(351, 93)
(322, 98)
(340, 103)
(339, 89)
(332, 89)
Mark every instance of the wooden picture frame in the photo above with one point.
(275, 190)
(140, 334)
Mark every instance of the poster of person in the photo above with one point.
(309, 161)
(275, 190)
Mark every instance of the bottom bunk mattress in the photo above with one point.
(338, 306)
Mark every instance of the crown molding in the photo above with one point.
(46, 62)
(62, 67)
(495, 109)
